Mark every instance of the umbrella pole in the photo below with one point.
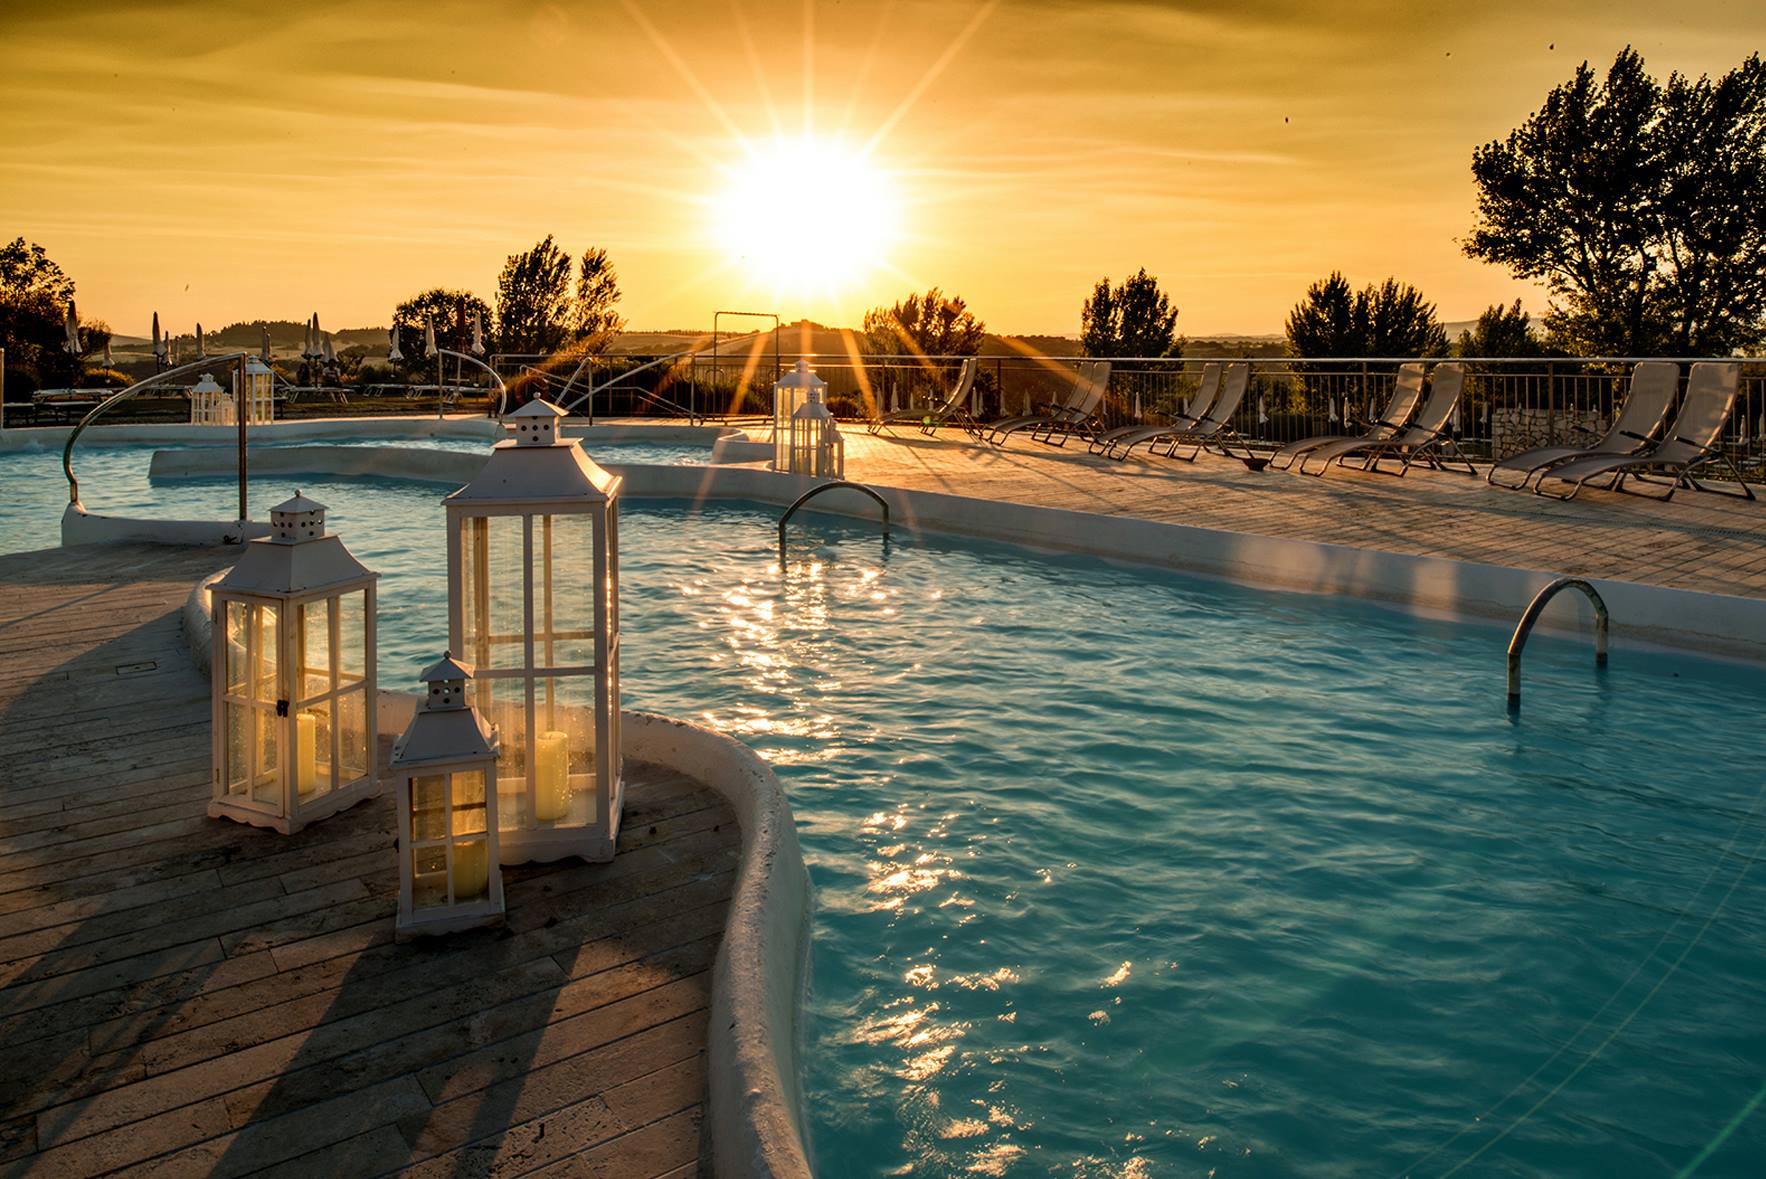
(439, 402)
(240, 414)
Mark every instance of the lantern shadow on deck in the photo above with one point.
(533, 605)
(293, 676)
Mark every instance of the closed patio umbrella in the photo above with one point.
(477, 334)
(159, 344)
(200, 350)
(393, 355)
(264, 355)
(108, 362)
(73, 330)
(429, 338)
(327, 351)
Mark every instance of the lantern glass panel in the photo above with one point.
(352, 627)
(237, 622)
(564, 602)
(469, 803)
(266, 759)
(429, 807)
(313, 643)
(503, 703)
(352, 735)
(313, 763)
(492, 562)
(429, 876)
(240, 721)
(564, 723)
(263, 654)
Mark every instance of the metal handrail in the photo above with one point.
(124, 394)
(589, 359)
(1531, 615)
(817, 490)
(502, 389)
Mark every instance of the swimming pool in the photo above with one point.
(1123, 873)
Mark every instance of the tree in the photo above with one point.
(1501, 331)
(597, 294)
(1133, 319)
(35, 297)
(929, 324)
(451, 312)
(534, 313)
(1391, 319)
(26, 267)
(1641, 206)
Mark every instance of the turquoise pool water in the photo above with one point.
(1120, 873)
(113, 481)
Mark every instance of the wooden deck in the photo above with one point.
(182, 995)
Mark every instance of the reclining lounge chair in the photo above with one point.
(1691, 442)
(1651, 392)
(1118, 442)
(1407, 390)
(1426, 440)
(952, 412)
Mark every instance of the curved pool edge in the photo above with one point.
(754, 1098)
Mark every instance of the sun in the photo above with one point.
(807, 216)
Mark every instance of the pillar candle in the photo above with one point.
(472, 870)
(552, 785)
(306, 752)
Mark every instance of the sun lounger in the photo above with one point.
(1215, 428)
(1426, 439)
(1691, 442)
(1651, 392)
(1118, 442)
(1407, 390)
(952, 412)
(1081, 402)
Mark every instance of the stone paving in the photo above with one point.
(1698, 540)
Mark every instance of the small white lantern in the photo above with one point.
(256, 400)
(293, 676)
(790, 393)
(209, 403)
(817, 449)
(449, 875)
(533, 603)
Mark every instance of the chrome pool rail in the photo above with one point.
(1531, 615)
(130, 391)
(831, 485)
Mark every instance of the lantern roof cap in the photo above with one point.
(537, 408)
(801, 376)
(298, 503)
(255, 366)
(206, 383)
(444, 669)
(521, 473)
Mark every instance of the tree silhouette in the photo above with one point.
(533, 300)
(929, 324)
(1389, 320)
(1135, 318)
(451, 312)
(1642, 207)
(597, 294)
(1501, 331)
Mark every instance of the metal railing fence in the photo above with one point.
(1509, 405)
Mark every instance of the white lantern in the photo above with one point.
(817, 450)
(209, 403)
(255, 401)
(293, 673)
(446, 761)
(533, 604)
(790, 393)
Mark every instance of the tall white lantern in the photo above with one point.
(790, 393)
(256, 399)
(450, 875)
(533, 604)
(209, 403)
(293, 676)
(817, 449)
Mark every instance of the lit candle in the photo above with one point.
(552, 785)
(306, 752)
(472, 870)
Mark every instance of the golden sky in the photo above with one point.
(225, 161)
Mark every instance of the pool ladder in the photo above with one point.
(1531, 615)
(831, 485)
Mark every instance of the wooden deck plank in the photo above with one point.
(185, 995)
